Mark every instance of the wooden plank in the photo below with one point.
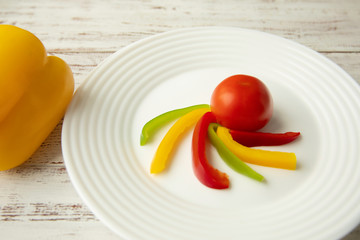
(37, 199)
(89, 26)
(56, 230)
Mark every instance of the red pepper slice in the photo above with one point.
(207, 174)
(252, 139)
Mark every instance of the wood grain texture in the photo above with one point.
(110, 25)
(37, 199)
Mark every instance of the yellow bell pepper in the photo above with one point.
(261, 157)
(35, 90)
(171, 138)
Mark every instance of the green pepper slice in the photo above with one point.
(229, 157)
(156, 123)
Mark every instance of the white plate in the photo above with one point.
(109, 169)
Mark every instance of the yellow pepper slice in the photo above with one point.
(284, 160)
(168, 143)
(35, 90)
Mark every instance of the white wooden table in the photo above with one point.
(37, 199)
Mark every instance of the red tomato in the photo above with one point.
(242, 102)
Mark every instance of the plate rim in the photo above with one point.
(149, 38)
